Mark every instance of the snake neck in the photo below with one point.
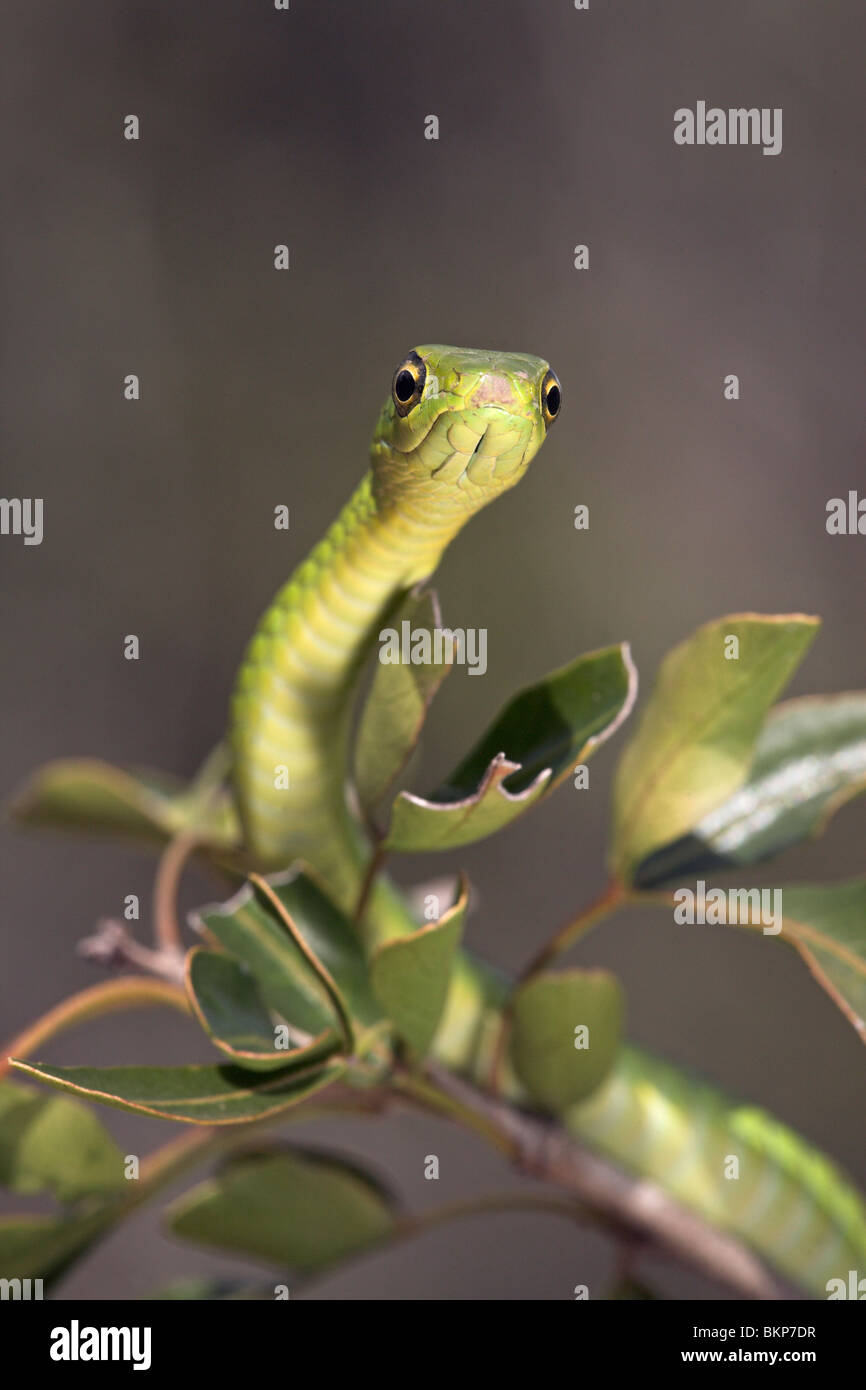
(292, 705)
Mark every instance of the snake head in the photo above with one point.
(460, 427)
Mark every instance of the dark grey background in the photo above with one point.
(260, 388)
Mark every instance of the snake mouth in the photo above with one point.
(481, 439)
(446, 469)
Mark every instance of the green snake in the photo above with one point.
(459, 428)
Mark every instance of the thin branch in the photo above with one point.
(574, 929)
(166, 928)
(113, 944)
(165, 1163)
(446, 1103)
(495, 1202)
(374, 867)
(111, 996)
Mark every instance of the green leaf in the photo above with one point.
(695, 742)
(529, 749)
(89, 795)
(566, 1033)
(206, 1095)
(827, 925)
(53, 1143)
(252, 932)
(332, 939)
(412, 975)
(229, 1007)
(41, 1247)
(810, 759)
(295, 1209)
(397, 706)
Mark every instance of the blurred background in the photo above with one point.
(259, 388)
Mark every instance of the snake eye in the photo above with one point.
(408, 383)
(551, 396)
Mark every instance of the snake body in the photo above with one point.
(459, 428)
(466, 429)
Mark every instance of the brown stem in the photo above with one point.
(131, 992)
(374, 867)
(574, 929)
(113, 944)
(496, 1202)
(166, 928)
(437, 1098)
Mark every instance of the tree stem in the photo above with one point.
(166, 928)
(110, 996)
(574, 929)
(374, 867)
